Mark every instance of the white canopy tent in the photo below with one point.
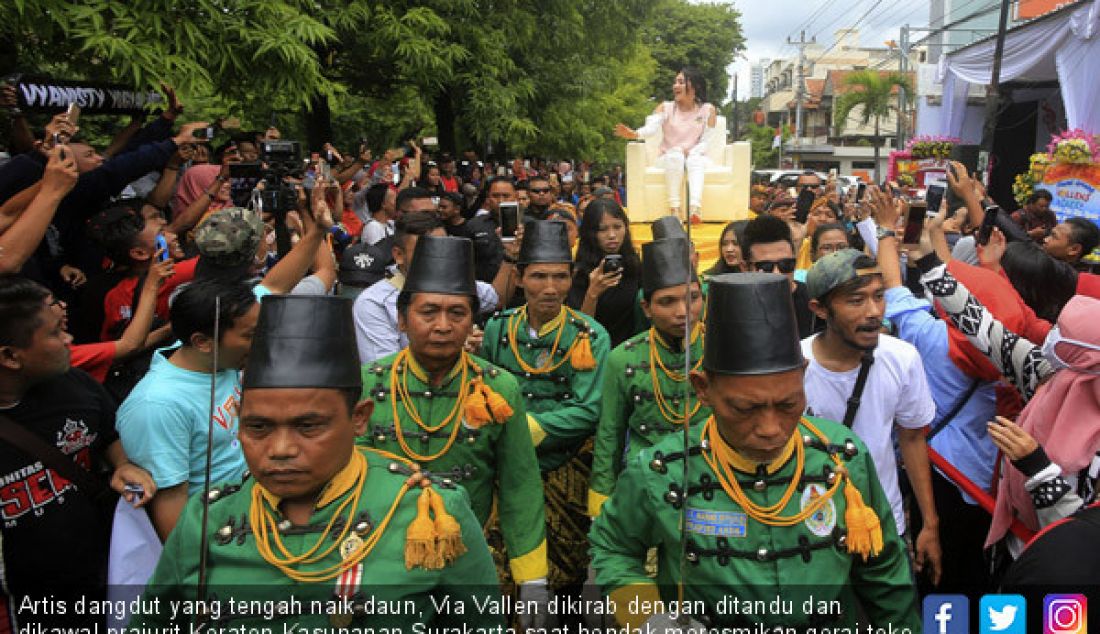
(1063, 46)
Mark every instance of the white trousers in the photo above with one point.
(674, 164)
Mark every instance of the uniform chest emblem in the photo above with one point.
(543, 358)
(823, 521)
(717, 523)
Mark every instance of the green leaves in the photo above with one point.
(552, 77)
(873, 93)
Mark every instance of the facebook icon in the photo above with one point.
(946, 614)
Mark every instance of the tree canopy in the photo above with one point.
(548, 78)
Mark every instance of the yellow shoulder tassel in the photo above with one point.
(864, 527)
(498, 405)
(420, 549)
(476, 408)
(581, 355)
(448, 533)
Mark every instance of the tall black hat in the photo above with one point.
(666, 263)
(303, 341)
(667, 227)
(442, 265)
(751, 325)
(544, 242)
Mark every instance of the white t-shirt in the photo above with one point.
(374, 231)
(896, 392)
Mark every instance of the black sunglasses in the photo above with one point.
(786, 265)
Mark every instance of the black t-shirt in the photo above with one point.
(488, 249)
(615, 310)
(808, 323)
(54, 534)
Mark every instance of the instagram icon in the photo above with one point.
(1065, 614)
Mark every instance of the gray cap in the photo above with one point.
(838, 268)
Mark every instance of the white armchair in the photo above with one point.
(725, 183)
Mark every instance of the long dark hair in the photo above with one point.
(1045, 284)
(696, 80)
(589, 254)
(720, 266)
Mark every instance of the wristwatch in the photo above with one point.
(883, 232)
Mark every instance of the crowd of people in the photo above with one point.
(379, 380)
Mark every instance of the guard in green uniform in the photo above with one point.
(322, 533)
(778, 507)
(455, 415)
(557, 354)
(645, 382)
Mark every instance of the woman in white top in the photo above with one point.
(683, 123)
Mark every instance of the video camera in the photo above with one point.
(278, 160)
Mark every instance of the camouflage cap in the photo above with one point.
(838, 268)
(229, 236)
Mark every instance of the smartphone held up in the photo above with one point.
(509, 221)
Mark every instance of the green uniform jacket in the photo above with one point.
(630, 419)
(498, 456)
(563, 407)
(236, 569)
(733, 558)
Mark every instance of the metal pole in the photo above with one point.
(736, 122)
(993, 97)
(903, 67)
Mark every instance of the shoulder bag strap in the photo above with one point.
(954, 411)
(22, 439)
(857, 390)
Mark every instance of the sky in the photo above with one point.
(768, 23)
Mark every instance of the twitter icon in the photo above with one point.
(1003, 614)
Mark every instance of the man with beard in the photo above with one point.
(874, 383)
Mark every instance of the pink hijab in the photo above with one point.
(1064, 415)
(195, 180)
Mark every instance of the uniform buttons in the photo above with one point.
(807, 440)
(849, 448)
(529, 395)
(637, 398)
(380, 437)
(377, 370)
(471, 440)
(424, 437)
(629, 371)
(760, 485)
(526, 375)
(362, 528)
(643, 428)
(225, 532)
(214, 494)
(284, 526)
(493, 372)
(672, 497)
(762, 554)
(692, 557)
(658, 465)
(394, 467)
(428, 394)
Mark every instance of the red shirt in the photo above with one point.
(94, 358)
(449, 184)
(117, 304)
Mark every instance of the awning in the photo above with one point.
(1063, 46)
